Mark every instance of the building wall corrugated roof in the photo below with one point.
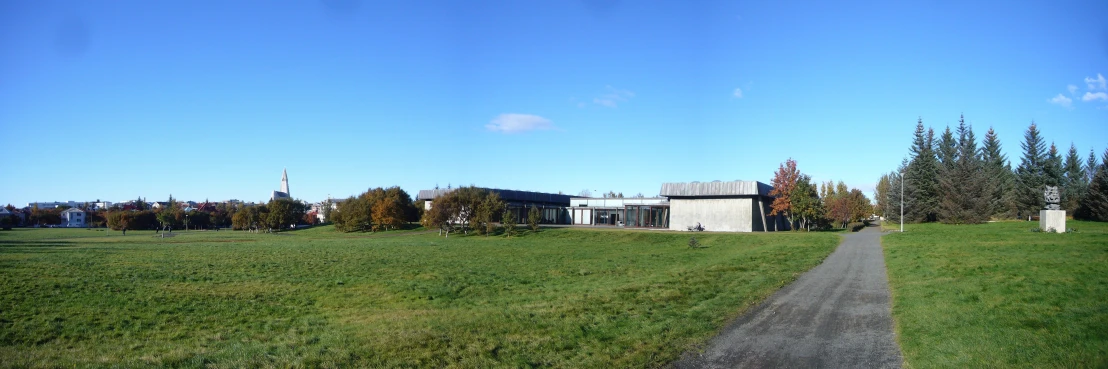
(704, 189)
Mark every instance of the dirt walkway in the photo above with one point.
(836, 315)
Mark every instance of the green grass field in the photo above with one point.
(999, 295)
(318, 298)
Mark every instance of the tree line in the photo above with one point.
(374, 210)
(806, 205)
(478, 209)
(278, 214)
(950, 179)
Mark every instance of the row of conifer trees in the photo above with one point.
(950, 179)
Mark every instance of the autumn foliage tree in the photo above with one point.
(805, 202)
(488, 210)
(376, 209)
(784, 183)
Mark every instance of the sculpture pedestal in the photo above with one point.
(1052, 220)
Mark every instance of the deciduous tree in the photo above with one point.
(805, 202)
(507, 220)
(284, 212)
(534, 216)
(784, 181)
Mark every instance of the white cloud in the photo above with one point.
(515, 123)
(1062, 101)
(1098, 83)
(1072, 89)
(1089, 96)
(738, 93)
(613, 97)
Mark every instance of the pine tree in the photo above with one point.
(964, 197)
(1091, 166)
(1075, 184)
(921, 180)
(998, 175)
(1053, 174)
(947, 150)
(1030, 174)
(1094, 206)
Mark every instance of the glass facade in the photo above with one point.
(647, 216)
(550, 215)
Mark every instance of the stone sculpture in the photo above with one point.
(1053, 218)
(1052, 198)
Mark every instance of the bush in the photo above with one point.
(856, 226)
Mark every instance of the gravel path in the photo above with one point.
(836, 315)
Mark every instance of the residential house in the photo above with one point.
(73, 217)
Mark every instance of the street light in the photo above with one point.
(186, 222)
(901, 202)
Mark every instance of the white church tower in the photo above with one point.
(285, 182)
(284, 192)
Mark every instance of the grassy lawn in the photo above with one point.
(999, 295)
(559, 298)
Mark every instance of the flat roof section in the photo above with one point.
(589, 202)
(506, 195)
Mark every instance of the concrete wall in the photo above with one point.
(716, 215)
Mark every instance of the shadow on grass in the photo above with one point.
(34, 246)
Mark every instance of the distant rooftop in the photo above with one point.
(715, 188)
(506, 195)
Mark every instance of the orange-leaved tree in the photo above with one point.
(784, 182)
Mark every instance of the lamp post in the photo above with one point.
(901, 202)
(186, 222)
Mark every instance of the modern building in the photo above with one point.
(284, 192)
(52, 204)
(736, 206)
(623, 212)
(553, 206)
(73, 217)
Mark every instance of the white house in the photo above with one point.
(73, 217)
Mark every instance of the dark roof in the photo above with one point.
(506, 195)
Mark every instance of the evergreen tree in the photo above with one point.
(1053, 174)
(1091, 166)
(998, 175)
(1075, 184)
(964, 197)
(947, 150)
(1094, 206)
(1030, 174)
(921, 179)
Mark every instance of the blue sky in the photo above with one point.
(212, 99)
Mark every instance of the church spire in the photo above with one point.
(285, 182)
